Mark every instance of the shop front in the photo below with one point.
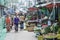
(2, 23)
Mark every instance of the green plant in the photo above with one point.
(29, 17)
(58, 31)
(47, 30)
(55, 28)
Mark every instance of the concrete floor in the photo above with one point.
(20, 35)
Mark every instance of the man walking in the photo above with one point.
(16, 22)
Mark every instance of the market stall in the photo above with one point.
(32, 17)
(51, 28)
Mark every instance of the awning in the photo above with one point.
(58, 4)
(52, 5)
(42, 5)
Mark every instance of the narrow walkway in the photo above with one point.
(21, 35)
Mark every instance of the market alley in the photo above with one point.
(21, 35)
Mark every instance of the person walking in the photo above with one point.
(21, 21)
(8, 21)
(16, 22)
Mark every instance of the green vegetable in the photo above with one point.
(47, 30)
(59, 31)
(54, 29)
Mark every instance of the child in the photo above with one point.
(22, 21)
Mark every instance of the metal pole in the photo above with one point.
(54, 12)
(54, 8)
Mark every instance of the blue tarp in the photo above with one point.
(10, 10)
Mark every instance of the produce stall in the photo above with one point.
(32, 18)
(51, 27)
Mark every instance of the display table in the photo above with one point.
(32, 24)
(32, 21)
(49, 37)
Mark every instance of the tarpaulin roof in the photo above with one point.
(52, 5)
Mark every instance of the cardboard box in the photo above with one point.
(30, 29)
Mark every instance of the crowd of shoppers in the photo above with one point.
(14, 20)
